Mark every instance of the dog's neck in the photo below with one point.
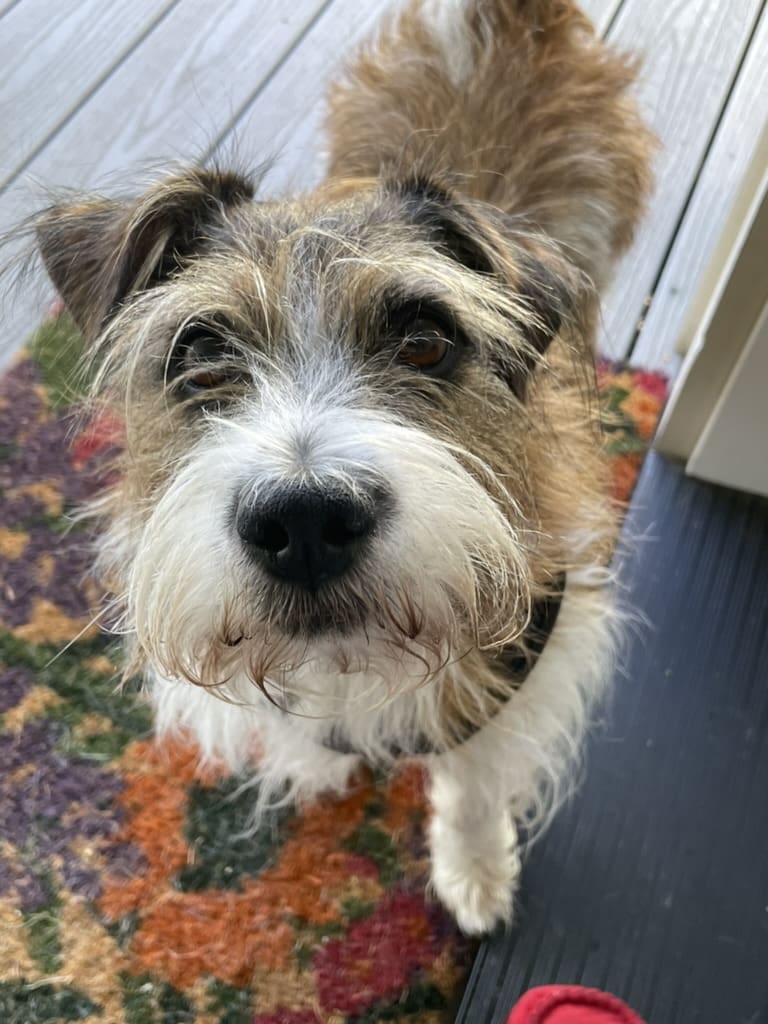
(514, 665)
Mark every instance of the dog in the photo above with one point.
(362, 513)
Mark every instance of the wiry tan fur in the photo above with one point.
(485, 157)
(541, 124)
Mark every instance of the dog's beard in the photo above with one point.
(446, 574)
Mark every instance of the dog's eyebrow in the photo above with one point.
(449, 225)
(399, 305)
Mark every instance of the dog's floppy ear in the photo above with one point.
(99, 251)
(450, 222)
(483, 239)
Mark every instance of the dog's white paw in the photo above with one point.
(476, 877)
(331, 775)
(299, 769)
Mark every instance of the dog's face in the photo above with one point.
(331, 420)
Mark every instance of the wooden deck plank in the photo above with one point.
(285, 119)
(52, 57)
(602, 12)
(8, 6)
(733, 148)
(173, 95)
(692, 51)
(167, 101)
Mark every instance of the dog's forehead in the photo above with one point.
(337, 220)
(337, 254)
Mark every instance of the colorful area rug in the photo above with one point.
(124, 897)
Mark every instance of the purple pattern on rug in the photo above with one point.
(21, 585)
(20, 403)
(15, 683)
(56, 799)
(46, 457)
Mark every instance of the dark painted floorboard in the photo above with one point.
(653, 882)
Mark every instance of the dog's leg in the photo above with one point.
(522, 765)
(475, 861)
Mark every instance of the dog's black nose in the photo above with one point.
(304, 535)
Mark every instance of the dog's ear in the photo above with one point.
(99, 251)
(449, 221)
(483, 239)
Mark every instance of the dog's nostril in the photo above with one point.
(339, 531)
(272, 536)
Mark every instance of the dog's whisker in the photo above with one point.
(92, 621)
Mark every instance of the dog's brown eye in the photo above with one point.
(202, 360)
(425, 346)
(424, 335)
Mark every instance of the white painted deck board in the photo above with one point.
(733, 148)
(601, 12)
(284, 121)
(172, 97)
(7, 6)
(54, 56)
(692, 51)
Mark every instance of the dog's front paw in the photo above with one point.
(475, 877)
(330, 775)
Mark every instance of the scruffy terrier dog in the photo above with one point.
(362, 510)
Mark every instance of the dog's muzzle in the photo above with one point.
(307, 535)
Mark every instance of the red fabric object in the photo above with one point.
(571, 1004)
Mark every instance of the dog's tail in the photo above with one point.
(515, 101)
